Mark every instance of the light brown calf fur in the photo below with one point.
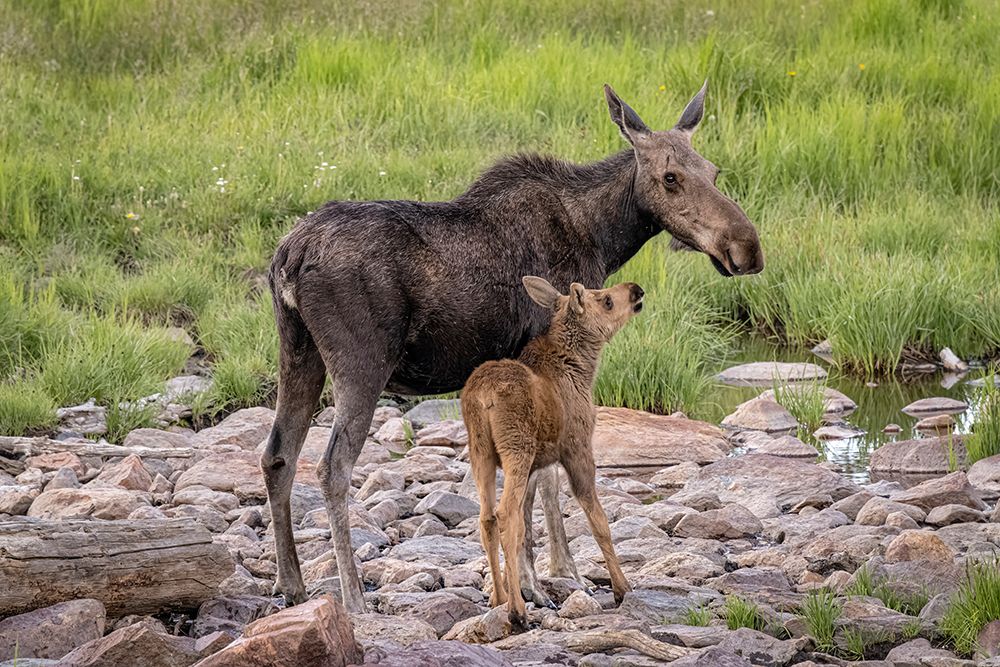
(536, 411)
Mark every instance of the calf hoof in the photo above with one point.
(292, 597)
(518, 622)
(620, 594)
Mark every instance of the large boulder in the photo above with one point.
(730, 522)
(449, 507)
(317, 632)
(234, 472)
(86, 503)
(924, 456)
(629, 438)
(953, 489)
(918, 545)
(51, 632)
(985, 476)
(761, 414)
(434, 410)
(136, 645)
(244, 429)
(128, 473)
(766, 484)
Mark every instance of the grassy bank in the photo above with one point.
(152, 153)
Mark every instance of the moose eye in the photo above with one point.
(670, 178)
(608, 303)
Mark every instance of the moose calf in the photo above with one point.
(536, 411)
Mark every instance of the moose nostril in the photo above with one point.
(637, 293)
(733, 266)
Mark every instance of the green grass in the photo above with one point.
(976, 603)
(741, 613)
(154, 153)
(985, 438)
(697, 616)
(821, 611)
(806, 402)
(894, 596)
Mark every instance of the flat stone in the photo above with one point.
(945, 515)
(837, 432)
(936, 423)
(51, 632)
(52, 461)
(438, 549)
(950, 489)
(761, 414)
(937, 405)
(626, 438)
(444, 654)
(655, 606)
(767, 372)
(767, 484)
(447, 433)
(234, 472)
(788, 446)
(442, 610)
(155, 438)
(674, 477)
(688, 635)
(920, 653)
(762, 649)
(713, 656)
(85, 419)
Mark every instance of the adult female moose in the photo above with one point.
(412, 296)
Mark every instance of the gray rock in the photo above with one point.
(628, 438)
(945, 515)
(762, 649)
(837, 432)
(924, 456)
(579, 604)
(761, 414)
(985, 476)
(691, 636)
(449, 507)
(444, 654)
(379, 629)
(852, 504)
(877, 509)
(714, 656)
(155, 438)
(438, 549)
(654, 607)
(767, 372)
(731, 522)
(434, 410)
(447, 433)
(244, 429)
(86, 419)
(937, 405)
(15, 500)
(788, 446)
(51, 632)
(135, 645)
(913, 654)
(767, 484)
(230, 613)
(950, 489)
(834, 402)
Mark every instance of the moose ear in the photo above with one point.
(625, 118)
(693, 112)
(576, 294)
(540, 291)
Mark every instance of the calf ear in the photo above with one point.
(693, 112)
(576, 294)
(540, 291)
(625, 118)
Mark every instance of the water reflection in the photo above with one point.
(878, 406)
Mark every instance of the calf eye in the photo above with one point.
(670, 178)
(608, 303)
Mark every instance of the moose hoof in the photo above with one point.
(518, 623)
(292, 598)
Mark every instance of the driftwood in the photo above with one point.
(600, 641)
(133, 567)
(12, 447)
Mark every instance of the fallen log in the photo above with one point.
(600, 641)
(14, 447)
(133, 567)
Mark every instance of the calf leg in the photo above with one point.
(531, 588)
(517, 467)
(485, 472)
(561, 563)
(300, 383)
(581, 473)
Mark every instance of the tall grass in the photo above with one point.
(976, 603)
(153, 154)
(984, 441)
(821, 611)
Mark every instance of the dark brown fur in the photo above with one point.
(530, 413)
(412, 296)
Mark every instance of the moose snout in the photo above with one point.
(745, 258)
(635, 293)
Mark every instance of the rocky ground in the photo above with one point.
(158, 551)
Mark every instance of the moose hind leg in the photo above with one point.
(561, 563)
(517, 467)
(355, 405)
(300, 382)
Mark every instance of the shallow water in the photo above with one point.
(877, 406)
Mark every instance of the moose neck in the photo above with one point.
(567, 354)
(602, 207)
